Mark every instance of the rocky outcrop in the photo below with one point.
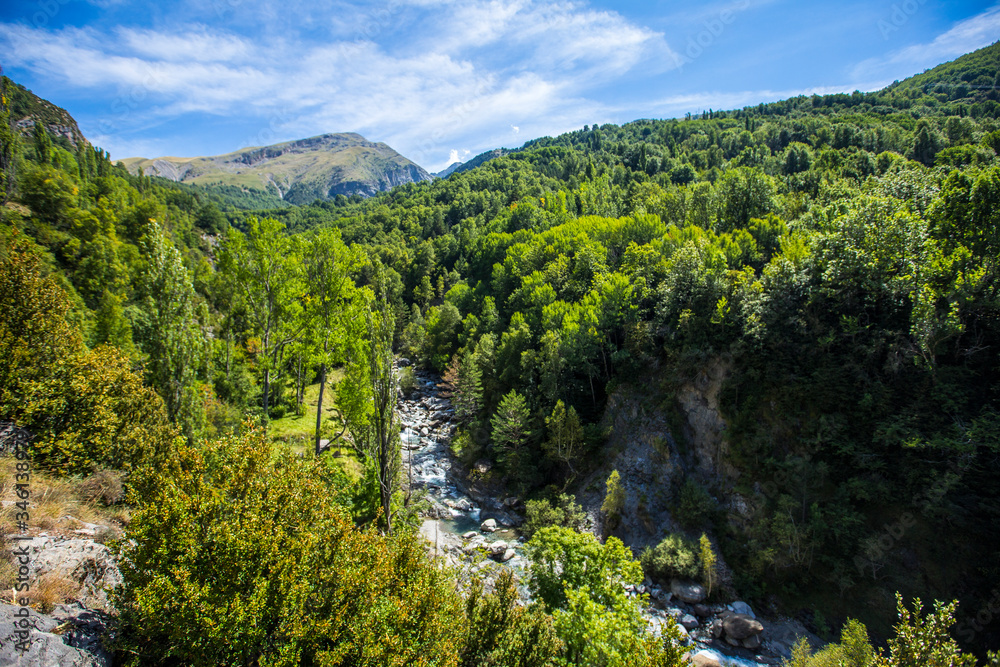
(69, 637)
(705, 428)
(87, 565)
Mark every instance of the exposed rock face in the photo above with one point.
(77, 643)
(85, 563)
(705, 428)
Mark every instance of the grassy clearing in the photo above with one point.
(295, 433)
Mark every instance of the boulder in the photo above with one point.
(687, 591)
(482, 466)
(469, 535)
(716, 629)
(497, 548)
(705, 659)
(489, 526)
(702, 610)
(88, 565)
(47, 648)
(752, 642)
(742, 608)
(741, 626)
(689, 622)
(507, 555)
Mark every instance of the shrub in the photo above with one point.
(103, 486)
(673, 557)
(694, 505)
(407, 380)
(563, 511)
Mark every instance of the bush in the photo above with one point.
(694, 505)
(564, 511)
(103, 486)
(672, 557)
(280, 576)
(407, 380)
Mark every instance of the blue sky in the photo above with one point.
(444, 79)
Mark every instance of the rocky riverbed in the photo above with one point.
(476, 532)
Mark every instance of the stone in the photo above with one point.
(497, 548)
(689, 622)
(716, 629)
(88, 565)
(741, 626)
(752, 642)
(507, 555)
(489, 526)
(469, 535)
(742, 608)
(702, 610)
(47, 649)
(482, 466)
(510, 502)
(689, 592)
(705, 659)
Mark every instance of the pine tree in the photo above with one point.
(468, 399)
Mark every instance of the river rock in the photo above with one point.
(741, 626)
(689, 622)
(482, 466)
(489, 526)
(742, 608)
(716, 629)
(687, 591)
(705, 659)
(469, 535)
(702, 611)
(752, 642)
(507, 555)
(497, 548)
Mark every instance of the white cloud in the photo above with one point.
(477, 67)
(968, 35)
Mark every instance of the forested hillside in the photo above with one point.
(836, 256)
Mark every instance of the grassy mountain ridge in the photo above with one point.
(298, 171)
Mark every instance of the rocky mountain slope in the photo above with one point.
(28, 109)
(299, 171)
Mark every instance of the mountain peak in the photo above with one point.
(298, 171)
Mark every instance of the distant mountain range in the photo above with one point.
(298, 172)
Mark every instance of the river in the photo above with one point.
(453, 521)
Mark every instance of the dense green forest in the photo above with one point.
(837, 255)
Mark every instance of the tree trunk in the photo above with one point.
(319, 404)
(267, 384)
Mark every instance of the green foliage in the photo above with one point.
(581, 582)
(510, 434)
(614, 499)
(673, 557)
(565, 436)
(924, 641)
(241, 558)
(562, 558)
(707, 557)
(562, 510)
(499, 632)
(694, 505)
